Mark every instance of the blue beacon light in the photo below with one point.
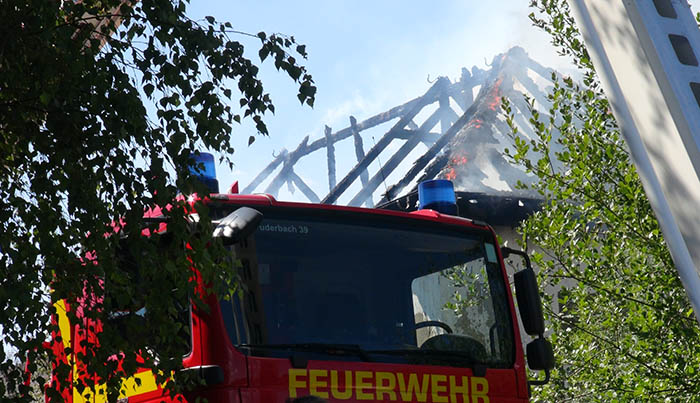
(208, 175)
(438, 195)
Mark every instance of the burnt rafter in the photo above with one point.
(287, 168)
(359, 149)
(455, 138)
(330, 152)
(432, 152)
(280, 158)
(396, 159)
(383, 142)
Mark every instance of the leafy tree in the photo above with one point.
(101, 103)
(624, 330)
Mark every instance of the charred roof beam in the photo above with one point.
(374, 152)
(266, 172)
(425, 159)
(330, 152)
(396, 159)
(290, 160)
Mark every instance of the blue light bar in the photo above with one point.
(208, 175)
(438, 195)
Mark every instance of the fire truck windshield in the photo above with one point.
(370, 288)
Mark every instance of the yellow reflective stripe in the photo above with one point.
(63, 324)
(147, 384)
(89, 396)
(129, 388)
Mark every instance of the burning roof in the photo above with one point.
(467, 148)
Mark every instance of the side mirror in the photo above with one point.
(529, 303)
(237, 225)
(528, 295)
(540, 356)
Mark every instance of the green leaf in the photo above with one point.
(263, 53)
(148, 89)
(45, 98)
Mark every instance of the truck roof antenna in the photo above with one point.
(381, 168)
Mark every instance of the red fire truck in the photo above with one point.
(355, 304)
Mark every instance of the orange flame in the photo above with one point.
(459, 160)
(494, 95)
(454, 162)
(494, 104)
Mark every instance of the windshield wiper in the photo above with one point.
(365, 355)
(477, 366)
(323, 348)
(452, 356)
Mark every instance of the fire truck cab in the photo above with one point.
(353, 304)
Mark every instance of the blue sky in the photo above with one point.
(365, 57)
